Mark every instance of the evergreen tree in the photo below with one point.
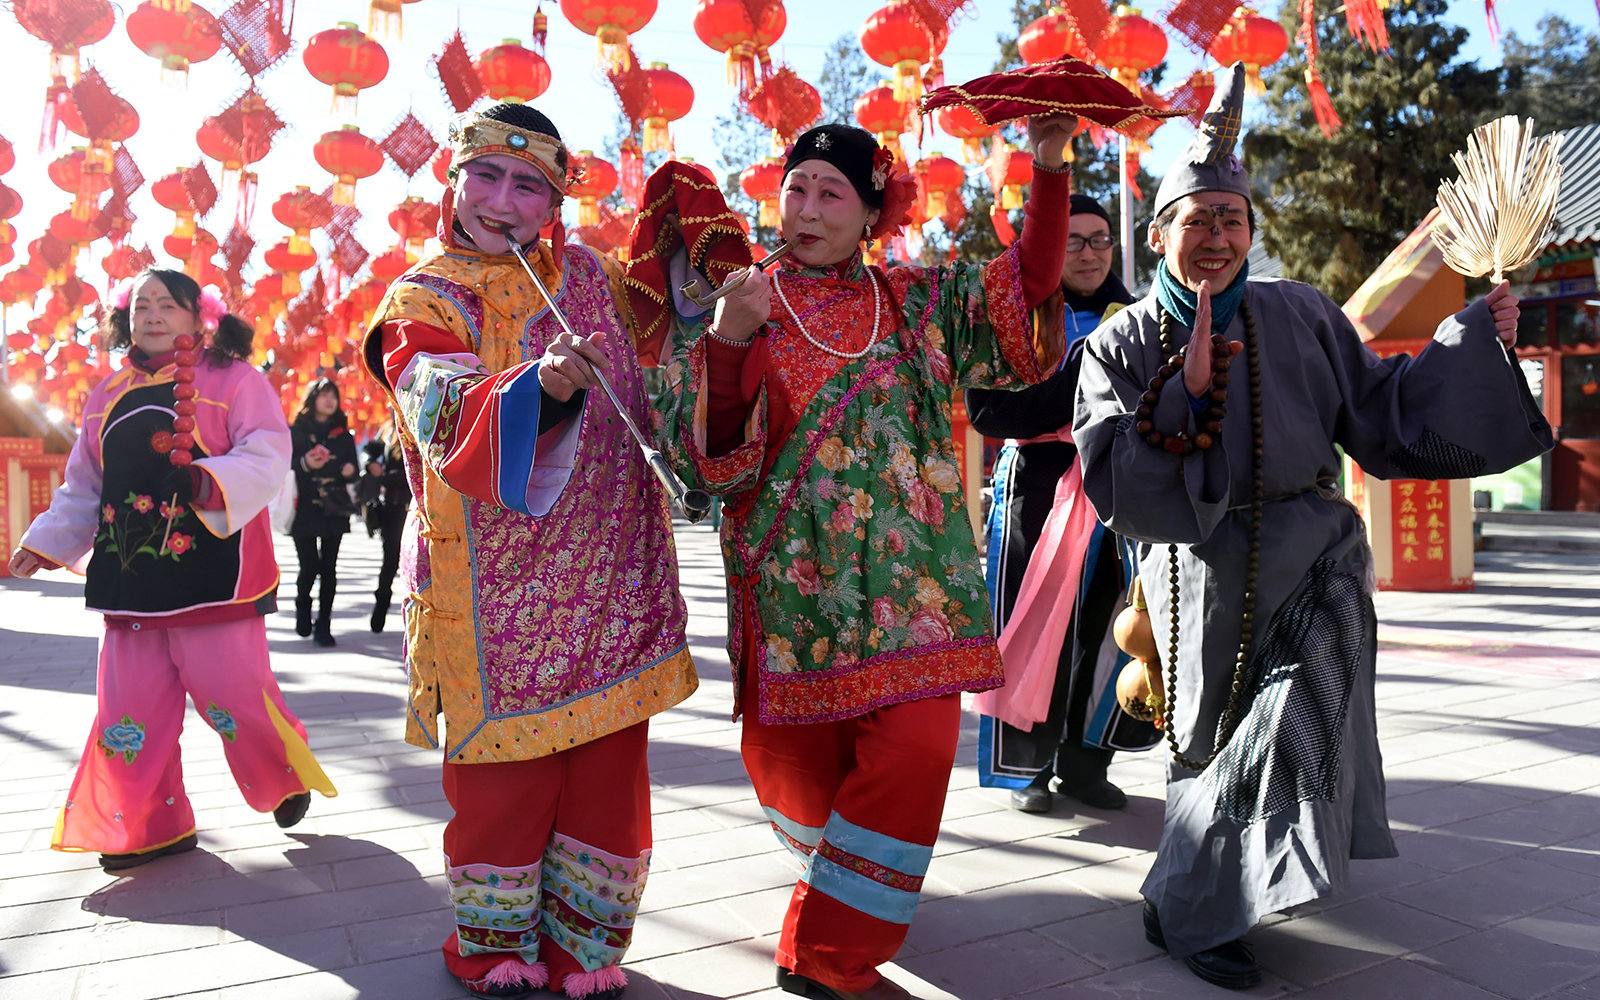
(1333, 208)
(741, 142)
(845, 77)
(1556, 80)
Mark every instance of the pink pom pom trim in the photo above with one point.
(122, 294)
(578, 985)
(212, 309)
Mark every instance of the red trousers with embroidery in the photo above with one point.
(859, 801)
(546, 860)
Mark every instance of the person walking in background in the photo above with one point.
(324, 463)
(385, 493)
(1055, 576)
(163, 508)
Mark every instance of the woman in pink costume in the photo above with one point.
(164, 510)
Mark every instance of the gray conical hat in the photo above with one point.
(1208, 162)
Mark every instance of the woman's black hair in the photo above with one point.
(230, 341)
(308, 401)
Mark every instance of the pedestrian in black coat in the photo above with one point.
(324, 462)
(385, 493)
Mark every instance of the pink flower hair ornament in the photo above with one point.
(210, 308)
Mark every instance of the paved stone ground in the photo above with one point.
(1487, 704)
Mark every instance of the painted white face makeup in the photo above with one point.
(821, 214)
(498, 196)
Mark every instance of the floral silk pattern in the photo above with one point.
(847, 542)
(496, 909)
(591, 899)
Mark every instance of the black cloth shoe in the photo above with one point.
(322, 633)
(118, 862)
(1231, 965)
(508, 990)
(379, 613)
(883, 989)
(1100, 794)
(292, 809)
(302, 616)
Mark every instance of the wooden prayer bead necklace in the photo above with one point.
(1230, 715)
(1211, 421)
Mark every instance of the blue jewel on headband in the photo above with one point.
(517, 141)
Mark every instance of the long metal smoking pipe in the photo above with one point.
(691, 289)
(694, 504)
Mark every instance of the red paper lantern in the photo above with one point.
(670, 98)
(1011, 173)
(170, 194)
(8, 234)
(763, 182)
(896, 36)
(610, 22)
(10, 202)
(1051, 37)
(89, 22)
(176, 32)
(68, 228)
(441, 165)
(414, 220)
(285, 258)
(8, 157)
(941, 178)
(349, 156)
(960, 122)
(1253, 40)
(512, 73)
(391, 264)
(302, 210)
(725, 26)
(595, 178)
(1131, 45)
(347, 60)
(879, 111)
(384, 19)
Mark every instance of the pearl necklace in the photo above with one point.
(877, 303)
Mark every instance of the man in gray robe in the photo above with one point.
(1226, 476)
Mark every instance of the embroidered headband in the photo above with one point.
(472, 135)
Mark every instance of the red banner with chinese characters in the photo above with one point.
(1420, 529)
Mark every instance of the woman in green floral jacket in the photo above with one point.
(817, 404)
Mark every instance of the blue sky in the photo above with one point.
(579, 100)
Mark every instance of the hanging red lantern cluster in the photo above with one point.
(744, 30)
(1132, 45)
(670, 98)
(897, 36)
(349, 156)
(176, 32)
(610, 22)
(1253, 40)
(513, 73)
(414, 220)
(594, 178)
(344, 58)
(302, 210)
(66, 29)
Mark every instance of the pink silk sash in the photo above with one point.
(1031, 642)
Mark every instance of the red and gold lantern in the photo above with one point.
(1253, 40)
(961, 122)
(726, 26)
(513, 73)
(414, 220)
(302, 210)
(170, 193)
(176, 32)
(940, 179)
(384, 18)
(897, 36)
(1010, 172)
(671, 97)
(345, 59)
(762, 183)
(594, 178)
(880, 112)
(1132, 44)
(1051, 37)
(610, 22)
(391, 264)
(349, 156)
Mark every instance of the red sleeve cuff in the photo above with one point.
(1044, 234)
(734, 374)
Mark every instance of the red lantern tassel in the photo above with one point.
(56, 97)
(541, 28)
(632, 171)
(245, 203)
(1322, 104)
(1133, 177)
(1002, 225)
(1365, 20)
(1494, 21)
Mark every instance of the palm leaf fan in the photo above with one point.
(1499, 214)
